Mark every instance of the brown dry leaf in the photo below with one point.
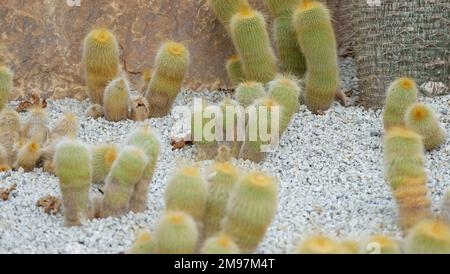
(178, 142)
(23, 106)
(51, 204)
(4, 193)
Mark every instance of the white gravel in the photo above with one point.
(329, 169)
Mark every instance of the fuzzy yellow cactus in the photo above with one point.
(6, 85)
(116, 100)
(428, 237)
(401, 94)
(28, 156)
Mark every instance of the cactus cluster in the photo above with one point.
(126, 173)
(219, 211)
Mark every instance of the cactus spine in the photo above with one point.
(145, 139)
(170, 69)
(103, 157)
(72, 163)
(428, 237)
(116, 100)
(248, 92)
(101, 58)
(9, 133)
(315, 34)
(319, 245)
(224, 10)
(6, 85)
(286, 93)
(250, 210)
(126, 171)
(144, 244)
(28, 156)
(404, 167)
(186, 191)
(423, 120)
(250, 37)
(234, 70)
(221, 244)
(176, 234)
(401, 94)
(222, 180)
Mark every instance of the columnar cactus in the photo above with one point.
(404, 168)
(116, 100)
(250, 37)
(222, 179)
(101, 60)
(445, 208)
(176, 234)
(145, 139)
(248, 92)
(203, 130)
(144, 244)
(103, 157)
(286, 93)
(3, 157)
(233, 126)
(225, 10)
(250, 210)
(28, 156)
(6, 85)
(401, 94)
(428, 237)
(291, 56)
(381, 244)
(234, 70)
(423, 120)
(315, 34)
(186, 191)
(319, 245)
(72, 163)
(169, 71)
(9, 133)
(35, 128)
(221, 244)
(139, 109)
(126, 171)
(259, 139)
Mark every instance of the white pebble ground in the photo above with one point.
(330, 181)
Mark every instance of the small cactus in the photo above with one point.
(221, 244)
(94, 111)
(116, 100)
(248, 92)
(222, 179)
(72, 163)
(428, 237)
(315, 35)
(234, 70)
(401, 94)
(101, 58)
(319, 245)
(3, 156)
(250, 37)
(126, 171)
(28, 156)
(445, 208)
(233, 125)
(35, 128)
(381, 244)
(286, 93)
(145, 139)
(176, 234)
(146, 77)
(9, 133)
(6, 85)
(225, 10)
(103, 157)
(140, 109)
(250, 210)
(404, 168)
(170, 69)
(423, 120)
(203, 130)
(186, 191)
(144, 244)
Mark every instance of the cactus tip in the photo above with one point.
(308, 4)
(224, 241)
(402, 132)
(419, 112)
(191, 171)
(176, 218)
(260, 179)
(175, 48)
(246, 11)
(33, 147)
(406, 83)
(102, 35)
(143, 237)
(110, 156)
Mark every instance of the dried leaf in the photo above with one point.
(51, 204)
(23, 106)
(4, 193)
(179, 142)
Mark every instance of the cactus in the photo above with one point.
(250, 37)
(221, 244)
(72, 163)
(3, 156)
(186, 191)
(9, 133)
(6, 85)
(145, 139)
(103, 157)
(35, 128)
(224, 10)
(317, 41)
(381, 244)
(94, 111)
(404, 168)
(248, 92)
(203, 130)
(176, 234)
(233, 125)
(423, 120)
(222, 179)
(170, 69)
(28, 156)
(319, 245)
(428, 237)
(445, 208)
(146, 77)
(101, 60)
(234, 70)
(256, 146)
(126, 171)
(144, 244)
(250, 210)
(286, 93)
(116, 100)
(349, 247)
(401, 94)
(140, 109)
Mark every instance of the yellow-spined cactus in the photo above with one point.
(6, 85)
(234, 70)
(103, 157)
(319, 245)
(401, 94)
(35, 128)
(248, 92)
(116, 100)
(428, 237)
(220, 244)
(9, 133)
(144, 244)
(28, 156)
(381, 244)
(224, 10)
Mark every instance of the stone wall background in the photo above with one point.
(41, 40)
